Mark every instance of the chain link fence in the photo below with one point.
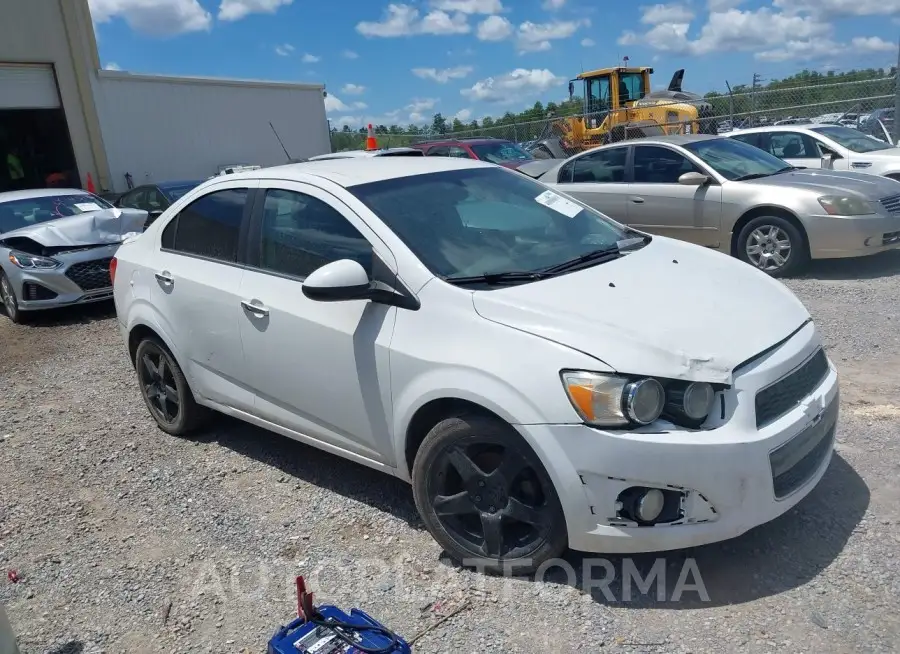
(866, 104)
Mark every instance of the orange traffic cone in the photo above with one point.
(371, 144)
(90, 184)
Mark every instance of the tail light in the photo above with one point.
(112, 269)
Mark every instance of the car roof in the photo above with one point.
(474, 140)
(179, 184)
(362, 170)
(671, 139)
(27, 194)
(781, 128)
(360, 154)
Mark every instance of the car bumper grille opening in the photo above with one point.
(33, 292)
(797, 461)
(91, 275)
(774, 401)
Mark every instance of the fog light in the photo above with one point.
(650, 505)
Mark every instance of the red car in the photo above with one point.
(498, 151)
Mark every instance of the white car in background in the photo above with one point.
(541, 374)
(834, 147)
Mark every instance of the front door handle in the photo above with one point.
(165, 278)
(636, 199)
(256, 308)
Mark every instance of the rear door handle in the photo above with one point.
(636, 199)
(256, 308)
(165, 277)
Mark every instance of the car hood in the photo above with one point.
(891, 154)
(89, 228)
(670, 309)
(831, 181)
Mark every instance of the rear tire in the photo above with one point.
(772, 244)
(486, 498)
(165, 390)
(9, 301)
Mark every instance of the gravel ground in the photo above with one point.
(128, 540)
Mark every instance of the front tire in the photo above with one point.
(165, 390)
(772, 244)
(486, 498)
(9, 300)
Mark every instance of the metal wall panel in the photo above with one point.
(25, 86)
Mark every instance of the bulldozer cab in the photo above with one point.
(610, 89)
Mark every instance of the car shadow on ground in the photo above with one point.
(786, 553)
(72, 647)
(885, 264)
(71, 315)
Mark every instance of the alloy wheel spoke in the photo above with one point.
(171, 395)
(149, 367)
(466, 468)
(521, 512)
(161, 369)
(492, 524)
(458, 504)
(509, 470)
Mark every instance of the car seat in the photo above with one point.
(792, 149)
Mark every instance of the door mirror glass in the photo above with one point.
(693, 179)
(344, 279)
(827, 160)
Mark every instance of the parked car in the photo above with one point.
(727, 195)
(55, 248)
(835, 147)
(542, 375)
(880, 124)
(493, 150)
(365, 154)
(154, 198)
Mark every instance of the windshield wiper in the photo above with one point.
(498, 278)
(786, 169)
(744, 178)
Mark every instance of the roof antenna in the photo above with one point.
(280, 143)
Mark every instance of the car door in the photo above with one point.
(321, 369)
(196, 290)
(797, 148)
(598, 179)
(659, 204)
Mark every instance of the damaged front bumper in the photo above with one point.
(723, 481)
(82, 278)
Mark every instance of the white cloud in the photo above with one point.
(284, 50)
(360, 105)
(310, 58)
(154, 17)
(112, 66)
(588, 43)
(231, 10)
(444, 75)
(333, 103)
(353, 89)
(405, 20)
(536, 37)
(421, 104)
(349, 54)
(416, 117)
(873, 44)
(553, 5)
(513, 86)
(832, 8)
(722, 5)
(463, 115)
(469, 6)
(494, 28)
(672, 13)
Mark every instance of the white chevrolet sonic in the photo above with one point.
(543, 376)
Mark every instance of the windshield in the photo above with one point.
(482, 221)
(852, 139)
(500, 152)
(175, 192)
(16, 214)
(734, 159)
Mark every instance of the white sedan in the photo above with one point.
(541, 374)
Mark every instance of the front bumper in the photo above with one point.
(725, 474)
(832, 237)
(82, 278)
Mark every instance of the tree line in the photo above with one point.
(807, 93)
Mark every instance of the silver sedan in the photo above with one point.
(55, 248)
(733, 197)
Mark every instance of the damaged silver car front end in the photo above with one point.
(64, 261)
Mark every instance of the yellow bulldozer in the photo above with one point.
(619, 105)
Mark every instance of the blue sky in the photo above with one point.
(402, 61)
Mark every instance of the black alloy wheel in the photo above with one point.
(486, 498)
(165, 389)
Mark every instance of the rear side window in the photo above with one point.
(209, 226)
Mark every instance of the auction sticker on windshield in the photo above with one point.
(559, 203)
(88, 206)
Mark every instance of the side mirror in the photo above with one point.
(693, 179)
(338, 281)
(827, 160)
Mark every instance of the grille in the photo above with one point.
(891, 203)
(797, 461)
(91, 275)
(32, 291)
(774, 401)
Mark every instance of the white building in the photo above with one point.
(60, 113)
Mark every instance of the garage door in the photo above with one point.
(26, 86)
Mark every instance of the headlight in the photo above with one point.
(841, 205)
(32, 262)
(607, 400)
